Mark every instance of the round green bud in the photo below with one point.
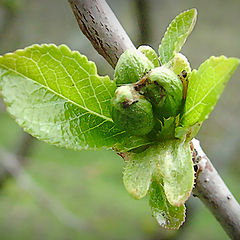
(180, 63)
(150, 54)
(164, 89)
(131, 111)
(131, 67)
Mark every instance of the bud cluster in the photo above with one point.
(146, 95)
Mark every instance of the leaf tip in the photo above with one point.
(135, 192)
(194, 11)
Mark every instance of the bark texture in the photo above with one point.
(213, 192)
(101, 27)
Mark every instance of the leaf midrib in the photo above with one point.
(51, 90)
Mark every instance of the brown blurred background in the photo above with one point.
(61, 194)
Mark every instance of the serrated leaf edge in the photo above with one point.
(165, 226)
(187, 33)
(194, 72)
(62, 46)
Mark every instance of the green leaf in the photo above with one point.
(170, 159)
(137, 173)
(205, 87)
(128, 143)
(167, 216)
(187, 133)
(176, 35)
(57, 96)
(175, 165)
(167, 129)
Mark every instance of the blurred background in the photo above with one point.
(52, 193)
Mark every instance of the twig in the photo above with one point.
(96, 15)
(213, 192)
(101, 27)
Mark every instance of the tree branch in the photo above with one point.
(213, 192)
(108, 37)
(101, 27)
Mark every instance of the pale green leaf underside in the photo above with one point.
(167, 216)
(170, 159)
(137, 173)
(176, 35)
(175, 165)
(57, 96)
(205, 87)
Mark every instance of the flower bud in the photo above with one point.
(131, 67)
(164, 89)
(150, 54)
(180, 63)
(131, 111)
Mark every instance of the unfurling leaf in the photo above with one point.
(167, 216)
(137, 174)
(175, 165)
(170, 160)
(176, 35)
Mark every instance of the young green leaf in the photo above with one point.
(176, 35)
(187, 133)
(170, 159)
(137, 173)
(174, 163)
(168, 216)
(167, 129)
(57, 96)
(205, 87)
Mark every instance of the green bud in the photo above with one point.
(182, 68)
(180, 63)
(150, 54)
(131, 111)
(164, 89)
(131, 67)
